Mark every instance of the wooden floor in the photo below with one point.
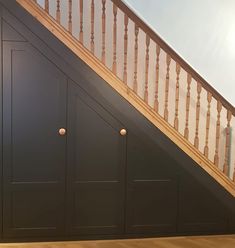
(179, 242)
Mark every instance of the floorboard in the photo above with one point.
(227, 241)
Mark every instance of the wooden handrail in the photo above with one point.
(152, 34)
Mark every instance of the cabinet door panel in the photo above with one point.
(152, 189)
(96, 163)
(34, 108)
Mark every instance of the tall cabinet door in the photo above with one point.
(34, 109)
(96, 167)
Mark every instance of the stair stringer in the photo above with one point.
(106, 74)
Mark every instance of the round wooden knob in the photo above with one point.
(123, 132)
(62, 131)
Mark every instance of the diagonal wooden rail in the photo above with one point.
(144, 70)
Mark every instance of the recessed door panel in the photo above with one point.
(96, 153)
(195, 212)
(34, 108)
(152, 187)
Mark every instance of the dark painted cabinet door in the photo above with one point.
(96, 165)
(152, 188)
(34, 108)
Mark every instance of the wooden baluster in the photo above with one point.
(47, 6)
(126, 19)
(81, 21)
(156, 103)
(206, 148)
(146, 69)
(58, 11)
(114, 39)
(186, 130)
(168, 62)
(176, 121)
(216, 157)
(234, 173)
(135, 84)
(196, 139)
(103, 31)
(226, 158)
(92, 26)
(70, 17)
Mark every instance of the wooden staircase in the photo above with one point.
(143, 69)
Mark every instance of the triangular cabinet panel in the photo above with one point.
(10, 34)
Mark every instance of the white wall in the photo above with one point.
(201, 31)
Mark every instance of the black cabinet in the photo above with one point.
(34, 155)
(96, 167)
(56, 183)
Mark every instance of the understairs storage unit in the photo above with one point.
(82, 159)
